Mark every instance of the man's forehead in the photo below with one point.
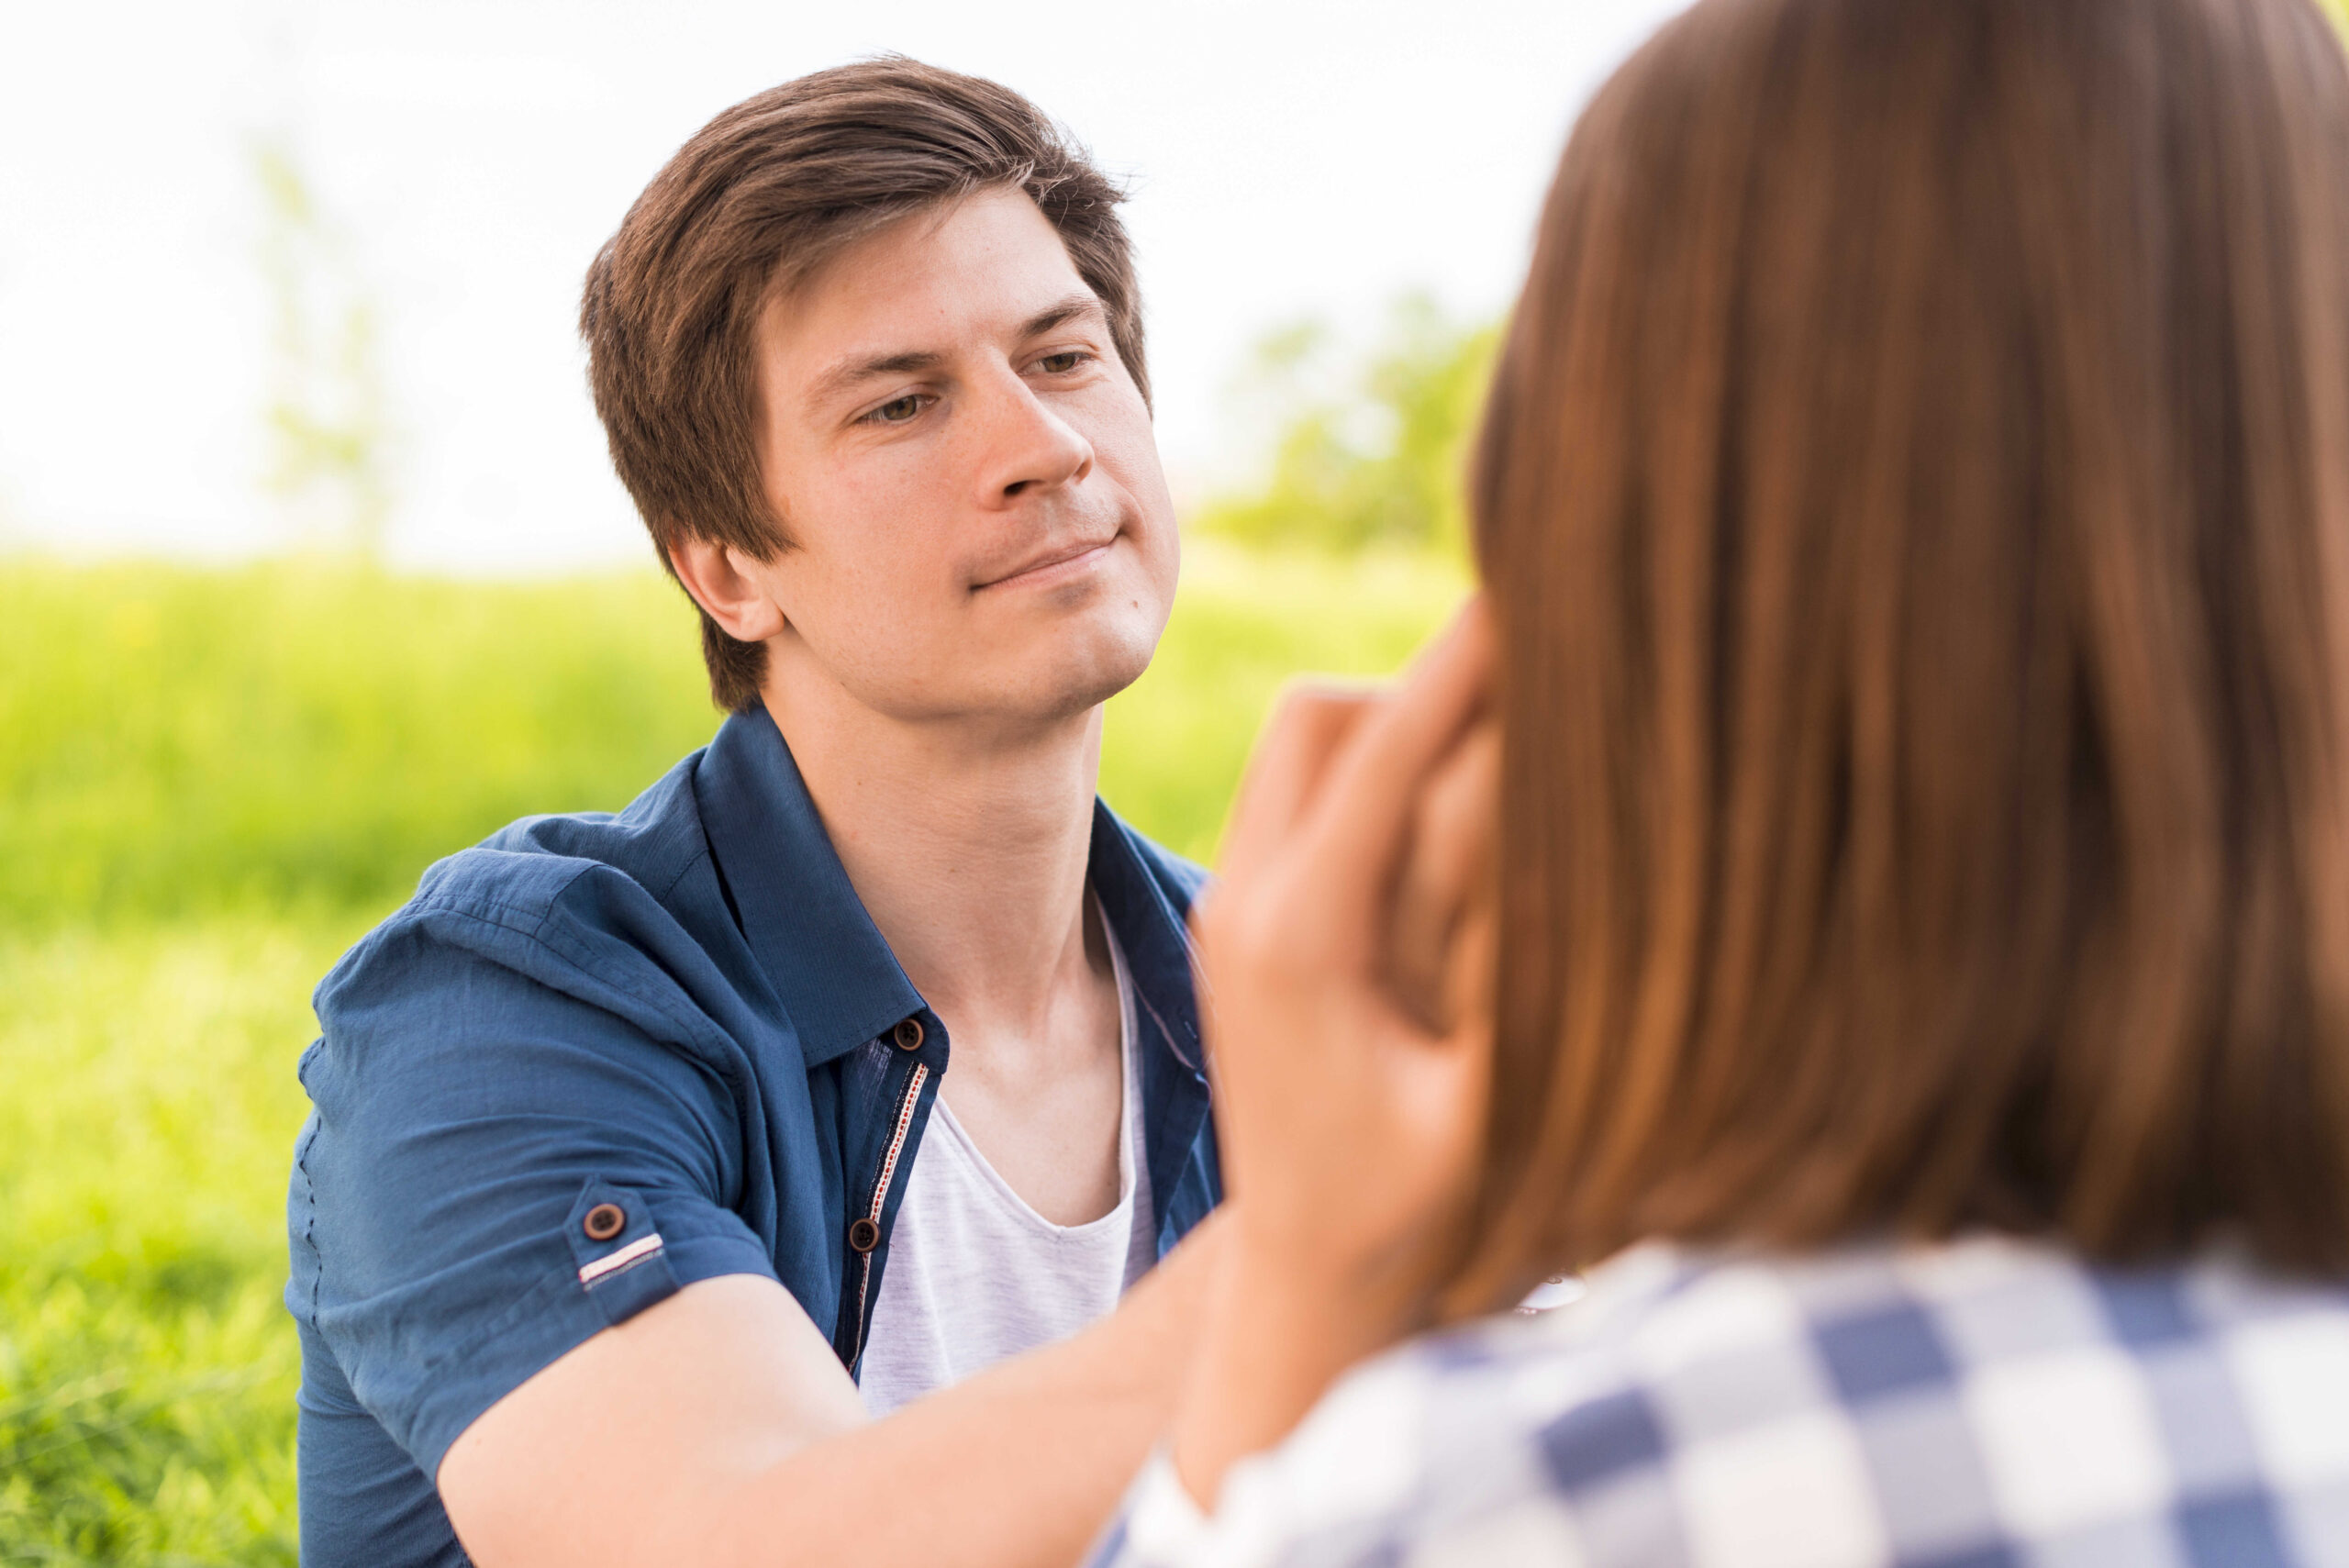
(987, 263)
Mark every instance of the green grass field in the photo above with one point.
(210, 782)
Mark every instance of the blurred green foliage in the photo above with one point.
(147, 1368)
(1370, 448)
(211, 782)
(1244, 622)
(174, 740)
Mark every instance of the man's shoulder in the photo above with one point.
(528, 865)
(554, 896)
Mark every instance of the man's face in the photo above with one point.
(967, 473)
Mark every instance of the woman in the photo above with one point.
(1912, 971)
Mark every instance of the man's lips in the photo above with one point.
(1061, 562)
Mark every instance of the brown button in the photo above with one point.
(908, 1034)
(605, 1221)
(864, 1236)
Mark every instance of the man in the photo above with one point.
(635, 1138)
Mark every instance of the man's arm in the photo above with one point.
(719, 1428)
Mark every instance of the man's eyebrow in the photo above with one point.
(848, 373)
(1061, 313)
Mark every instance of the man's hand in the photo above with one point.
(718, 1427)
(1345, 963)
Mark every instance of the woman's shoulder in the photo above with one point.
(1984, 1399)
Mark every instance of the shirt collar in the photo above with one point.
(827, 960)
(830, 964)
(1136, 904)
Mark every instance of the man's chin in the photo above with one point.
(1086, 685)
(1081, 671)
(1013, 679)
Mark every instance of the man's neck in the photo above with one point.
(968, 845)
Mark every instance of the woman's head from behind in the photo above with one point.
(1913, 502)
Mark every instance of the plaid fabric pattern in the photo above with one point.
(1978, 1405)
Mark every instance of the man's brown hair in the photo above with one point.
(759, 199)
(1915, 506)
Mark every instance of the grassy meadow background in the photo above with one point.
(213, 780)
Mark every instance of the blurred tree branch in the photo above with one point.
(1370, 451)
(325, 411)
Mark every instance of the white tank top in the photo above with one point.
(976, 1276)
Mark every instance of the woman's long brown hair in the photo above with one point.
(1914, 500)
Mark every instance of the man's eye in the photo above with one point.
(1060, 364)
(897, 410)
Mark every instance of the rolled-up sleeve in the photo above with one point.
(504, 1160)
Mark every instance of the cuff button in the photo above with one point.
(604, 1221)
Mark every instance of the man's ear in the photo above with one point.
(728, 585)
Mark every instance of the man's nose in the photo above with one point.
(1027, 447)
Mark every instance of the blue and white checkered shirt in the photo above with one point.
(1985, 1402)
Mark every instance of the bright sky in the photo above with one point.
(1287, 157)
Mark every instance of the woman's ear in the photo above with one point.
(732, 588)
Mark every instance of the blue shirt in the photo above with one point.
(1986, 1403)
(599, 1058)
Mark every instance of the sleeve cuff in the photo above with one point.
(563, 1313)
